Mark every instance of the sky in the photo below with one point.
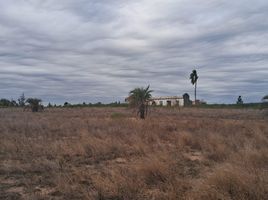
(99, 50)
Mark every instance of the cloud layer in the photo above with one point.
(98, 50)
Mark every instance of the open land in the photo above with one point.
(108, 153)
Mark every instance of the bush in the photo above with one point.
(35, 104)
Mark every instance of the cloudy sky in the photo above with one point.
(98, 50)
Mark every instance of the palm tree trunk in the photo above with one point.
(142, 111)
(195, 93)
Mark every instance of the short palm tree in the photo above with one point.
(139, 98)
(194, 77)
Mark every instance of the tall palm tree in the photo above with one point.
(139, 98)
(194, 77)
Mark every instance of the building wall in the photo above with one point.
(167, 102)
(181, 102)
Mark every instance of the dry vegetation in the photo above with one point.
(107, 153)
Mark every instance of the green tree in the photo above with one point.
(8, 103)
(264, 104)
(193, 78)
(35, 104)
(21, 100)
(239, 100)
(13, 103)
(5, 102)
(138, 98)
(265, 98)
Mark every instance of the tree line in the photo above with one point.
(12, 103)
(138, 98)
(34, 104)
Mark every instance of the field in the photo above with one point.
(108, 153)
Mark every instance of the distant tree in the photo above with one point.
(8, 103)
(5, 102)
(66, 104)
(186, 99)
(13, 103)
(265, 98)
(264, 104)
(49, 105)
(239, 100)
(21, 100)
(138, 98)
(193, 78)
(35, 104)
(98, 104)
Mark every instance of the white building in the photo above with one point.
(167, 101)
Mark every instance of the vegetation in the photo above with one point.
(97, 153)
(21, 100)
(98, 104)
(8, 103)
(239, 100)
(66, 104)
(232, 106)
(139, 98)
(265, 104)
(194, 77)
(34, 104)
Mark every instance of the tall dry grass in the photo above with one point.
(107, 153)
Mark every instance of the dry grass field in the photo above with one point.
(108, 153)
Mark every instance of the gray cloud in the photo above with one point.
(99, 50)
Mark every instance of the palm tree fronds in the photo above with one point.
(139, 97)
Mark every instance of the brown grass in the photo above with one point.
(107, 153)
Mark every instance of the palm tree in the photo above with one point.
(139, 98)
(194, 77)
